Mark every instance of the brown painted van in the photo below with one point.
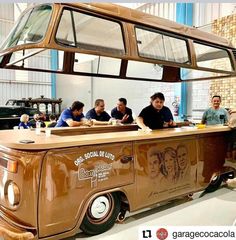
(53, 186)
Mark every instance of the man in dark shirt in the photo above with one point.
(121, 112)
(98, 113)
(53, 121)
(156, 115)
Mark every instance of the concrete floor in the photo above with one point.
(214, 209)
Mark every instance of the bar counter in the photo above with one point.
(59, 178)
(12, 138)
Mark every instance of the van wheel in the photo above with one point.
(214, 184)
(101, 214)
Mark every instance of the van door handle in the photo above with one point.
(126, 159)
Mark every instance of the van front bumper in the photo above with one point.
(9, 232)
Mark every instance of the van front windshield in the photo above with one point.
(30, 28)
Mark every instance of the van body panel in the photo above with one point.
(212, 155)
(71, 176)
(167, 169)
(27, 179)
(58, 185)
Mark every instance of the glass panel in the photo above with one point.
(92, 33)
(40, 60)
(109, 66)
(186, 74)
(30, 28)
(97, 64)
(144, 70)
(162, 47)
(211, 57)
(65, 30)
(10, 102)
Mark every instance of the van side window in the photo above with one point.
(89, 32)
(159, 46)
(211, 57)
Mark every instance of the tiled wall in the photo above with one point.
(200, 98)
(225, 27)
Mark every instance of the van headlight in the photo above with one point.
(13, 194)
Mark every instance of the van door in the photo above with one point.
(70, 176)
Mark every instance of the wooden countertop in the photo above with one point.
(11, 138)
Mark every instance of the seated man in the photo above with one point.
(73, 116)
(215, 114)
(38, 118)
(156, 115)
(53, 121)
(121, 112)
(98, 113)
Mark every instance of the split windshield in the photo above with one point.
(30, 28)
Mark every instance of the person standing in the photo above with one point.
(98, 113)
(122, 112)
(156, 115)
(73, 116)
(215, 114)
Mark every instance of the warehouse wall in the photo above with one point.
(74, 88)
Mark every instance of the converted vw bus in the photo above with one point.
(76, 179)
